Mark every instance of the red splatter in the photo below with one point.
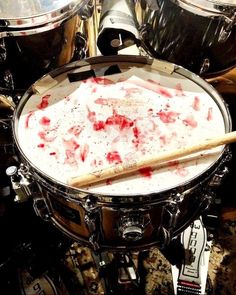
(146, 172)
(19, 22)
(109, 182)
(44, 102)
(41, 145)
(121, 79)
(196, 103)
(52, 153)
(167, 139)
(84, 152)
(102, 81)
(28, 118)
(179, 90)
(91, 116)
(96, 163)
(75, 130)
(46, 136)
(70, 157)
(153, 82)
(182, 171)
(119, 120)
(45, 121)
(136, 132)
(99, 125)
(136, 140)
(173, 164)
(102, 101)
(190, 121)
(167, 117)
(113, 158)
(131, 91)
(106, 101)
(152, 86)
(160, 90)
(209, 114)
(163, 139)
(70, 144)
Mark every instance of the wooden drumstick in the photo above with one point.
(134, 165)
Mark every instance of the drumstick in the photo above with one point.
(149, 161)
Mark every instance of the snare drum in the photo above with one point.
(36, 37)
(198, 35)
(107, 110)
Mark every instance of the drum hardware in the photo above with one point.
(80, 46)
(222, 171)
(87, 11)
(190, 277)
(131, 227)
(3, 51)
(41, 208)
(205, 65)
(169, 220)
(21, 182)
(92, 220)
(8, 80)
(119, 272)
(219, 177)
(227, 29)
(117, 27)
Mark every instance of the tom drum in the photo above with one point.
(198, 35)
(37, 37)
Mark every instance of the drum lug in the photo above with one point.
(222, 171)
(21, 182)
(41, 208)
(219, 177)
(227, 28)
(92, 221)
(170, 215)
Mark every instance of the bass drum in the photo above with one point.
(108, 110)
(36, 37)
(198, 35)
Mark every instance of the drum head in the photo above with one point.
(79, 124)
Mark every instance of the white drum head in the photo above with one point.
(74, 128)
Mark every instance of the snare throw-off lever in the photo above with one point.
(20, 179)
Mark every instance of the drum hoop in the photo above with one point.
(80, 194)
(216, 10)
(21, 26)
